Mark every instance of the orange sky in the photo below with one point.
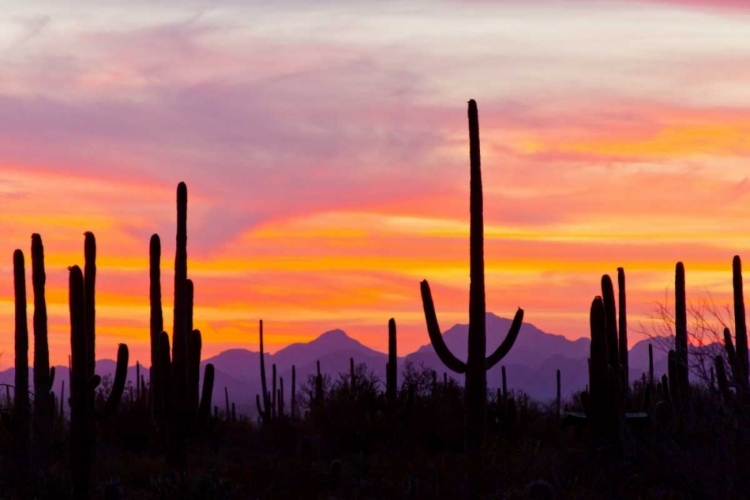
(327, 181)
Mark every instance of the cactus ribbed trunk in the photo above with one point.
(157, 326)
(21, 404)
(740, 327)
(477, 364)
(83, 386)
(180, 332)
(681, 340)
(89, 281)
(43, 416)
(476, 372)
(391, 375)
(180, 337)
(80, 407)
(597, 410)
(623, 332)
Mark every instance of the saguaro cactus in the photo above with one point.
(21, 404)
(268, 409)
(43, 375)
(623, 332)
(740, 371)
(83, 386)
(157, 327)
(602, 396)
(477, 364)
(180, 332)
(89, 283)
(682, 383)
(391, 369)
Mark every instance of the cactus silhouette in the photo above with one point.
(737, 351)
(21, 403)
(265, 411)
(180, 332)
(157, 327)
(83, 386)
(44, 377)
(391, 368)
(476, 366)
(681, 382)
(623, 333)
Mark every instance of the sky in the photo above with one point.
(325, 149)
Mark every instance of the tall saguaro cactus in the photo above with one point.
(737, 350)
(682, 383)
(266, 410)
(21, 395)
(180, 333)
(623, 331)
(740, 327)
(82, 386)
(477, 363)
(157, 327)
(89, 283)
(43, 376)
(391, 369)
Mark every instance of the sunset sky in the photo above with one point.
(325, 149)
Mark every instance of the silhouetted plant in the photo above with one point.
(83, 387)
(477, 364)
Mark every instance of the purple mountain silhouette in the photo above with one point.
(530, 366)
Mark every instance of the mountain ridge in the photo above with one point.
(531, 365)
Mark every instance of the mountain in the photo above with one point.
(530, 366)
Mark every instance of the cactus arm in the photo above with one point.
(510, 339)
(121, 373)
(436, 337)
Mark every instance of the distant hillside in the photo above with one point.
(531, 364)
